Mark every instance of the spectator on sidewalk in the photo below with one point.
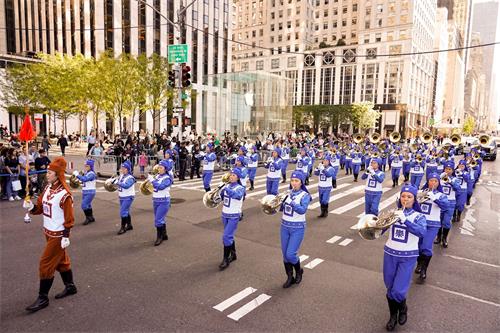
(46, 144)
(62, 142)
(41, 164)
(91, 140)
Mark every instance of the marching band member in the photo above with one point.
(356, 164)
(293, 225)
(209, 158)
(88, 180)
(285, 157)
(431, 165)
(348, 162)
(334, 162)
(432, 208)
(169, 153)
(462, 194)
(303, 162)
(400, 254)
(373, 190)
(240, 163)
(232, 195)
(253, 161)
(383, 158)
(416, 170)
(450, 188)
(161, 198)
(56, 205)
(126, 193)
(406, 167)
(311, 152)
(325, 172)
(396, 165)
(273, 167)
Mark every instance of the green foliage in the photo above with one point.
(364, 116)
(469, 125)
(321, 115)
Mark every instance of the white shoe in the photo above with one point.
(17, 197)
(11, 198)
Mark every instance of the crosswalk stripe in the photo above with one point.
(333, 239)
(353, 204)
(345, 242)
(335, 196)
(250, 306)
(384, 204)
(252, 194)
(234, 299)
(314, 263)
(303, 258)
(335, 190)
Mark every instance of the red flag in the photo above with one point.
(27, 132)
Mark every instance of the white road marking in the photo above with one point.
(281, 187)
(334, 239)
(472, 260)
(339, 196)
(303, 258)
(315, 195)
(384, 204)
(234, 299)
(250, 306)
(353, 204)
(465, 296)
(345, 242)
(314, 263)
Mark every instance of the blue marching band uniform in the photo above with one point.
(285, 157)
(325, 172)
(416, 170)
(450, 188)
(373, 190)
(88, 180)
(302, 163)
(126, 194)
(208, 158)
(273, 166)
(396, 164)
(335, 163)
(161, 199)
(253, 161)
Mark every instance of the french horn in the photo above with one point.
(146, 187)
(109, 184)
(212, 198)
(74, 182)
(271, 203)
(370, 226)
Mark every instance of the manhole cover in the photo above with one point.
(174, 201)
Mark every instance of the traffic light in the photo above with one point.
(186, 76)
(171, 78)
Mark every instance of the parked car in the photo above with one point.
(468, 142)
(490, 152)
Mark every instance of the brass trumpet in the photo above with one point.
(446, 179)
(418, 159)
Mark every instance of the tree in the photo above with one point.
(364, 116)
(469, 125)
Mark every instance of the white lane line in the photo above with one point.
(303, 258)
(384, 204)
(250, 306)
(314, 263)
(345, 242)
(252, 194)
(352, 204)
(334, 239)
(234, 299)
(335, 196)
(472, 260)
(315, 195)
(465, 296)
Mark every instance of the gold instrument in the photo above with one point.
(485, 140)
(212, 198)
(375, 138)
(413, 148)
(445, 178)
(382, 146)
(418, 159)
(74, 182)
(358, 138)
(395, 137)
(146, 187)
(271, 203)
(472, 164)
(370, 227)
(109, 184)
(423, 196)
(375, 155)
(426, 137)
(455, 139)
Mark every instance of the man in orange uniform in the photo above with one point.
(56, 205)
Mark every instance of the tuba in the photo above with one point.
(455, 139)
(358, 138)
(146, 187)
(395, 137)
(271, 203)
(426, 137)
(485, 140)
(74, 182)
(375, 138)
(109, 184)
(370, 227)
(212, 198)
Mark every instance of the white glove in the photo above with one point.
(269, 160)
(443, 174)
(202, 154)
(321, 167)
(151, 178)
(27, 204)
(65, 242)
(115, 180)
(400, 215)
(75, 173)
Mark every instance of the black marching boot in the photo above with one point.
(87, 219)
(393, 183)
(459, 214)
(418, 269)
(454, 218)
(225, 261)
(298, 272)
(123, 229)
(439, 236)
(91, 215)
(403, 312)
(393, 309)
(43, 296)
(164, 232)
(355, 178)
(232, 254)
(251, 185)
(322, 211)
(129, 223)
(289, 273)
(445, 237)
(69, 286)
(423, 272)
(159, 236)
(334, 183)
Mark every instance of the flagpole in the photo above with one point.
(27, 198)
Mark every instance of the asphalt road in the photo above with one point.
(126, 284)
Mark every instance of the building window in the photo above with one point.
(347, 84)
(369, 81)
(327, 85)
(291, 62)
(156, 27)
(393, 82)
(259, 65)
(142, 27)
(371, 53)
(108, 24)
(244, 66)
(275, 63)
(308, 82)
(11, 26)
(126, 26)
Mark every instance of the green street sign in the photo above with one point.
(178, 53)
